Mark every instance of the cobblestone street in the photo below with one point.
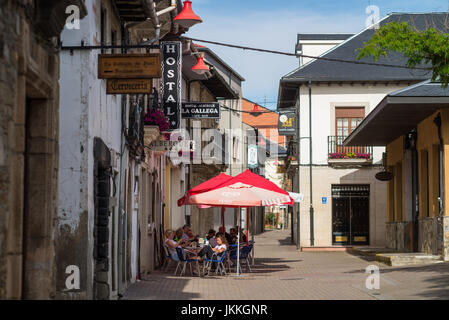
(282, 273)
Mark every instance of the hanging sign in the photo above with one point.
(252, 156)
(129, 66)
(171, 82)
(128, 86)
(287, 123)
(167, 145)
(200, 110)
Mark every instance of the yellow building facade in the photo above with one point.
(413, 124)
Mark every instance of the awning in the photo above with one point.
(398, 113)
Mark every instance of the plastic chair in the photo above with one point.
(168, 257)
(218, 260)
(184, 261)
(231, 253)
(244, 256)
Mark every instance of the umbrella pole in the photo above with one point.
(247, 226)
(238, 244)
(223, 218)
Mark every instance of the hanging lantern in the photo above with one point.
(200, 67)
(187, 17)
(256, 112)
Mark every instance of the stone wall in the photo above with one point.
(8, 80)
(29, 99)
(398, 237)
(428, 235)
(390, 235)
(446, 238)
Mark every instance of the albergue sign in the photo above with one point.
(171, 82)
(200, 110)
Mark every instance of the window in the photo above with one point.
(346, 120)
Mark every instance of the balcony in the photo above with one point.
(341, 156)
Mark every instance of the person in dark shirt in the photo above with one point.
(227, 235)
(211, 238)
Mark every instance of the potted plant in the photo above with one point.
(156, 117)
(349, 155)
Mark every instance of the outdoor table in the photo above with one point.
(192, 252)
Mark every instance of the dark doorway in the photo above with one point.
(350, 214)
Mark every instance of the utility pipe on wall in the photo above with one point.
(312, 240)
(298, 218)
(168, 9)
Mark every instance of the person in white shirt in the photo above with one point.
(208, 251)
(172, 244)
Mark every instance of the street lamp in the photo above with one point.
(200, 68)
(187, 18)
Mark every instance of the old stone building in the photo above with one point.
(29, 98)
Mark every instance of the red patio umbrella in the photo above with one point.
(204, 187)
(244, 190)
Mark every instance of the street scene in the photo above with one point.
(283, 273)
(224, 151)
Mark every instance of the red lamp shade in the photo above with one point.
(256, 112)
(187, 17)
(200, 67)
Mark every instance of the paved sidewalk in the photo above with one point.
(283, 273)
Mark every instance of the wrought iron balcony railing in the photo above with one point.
(336, 150)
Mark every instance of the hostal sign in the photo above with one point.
(171, 82)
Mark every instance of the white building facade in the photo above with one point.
(344, 204)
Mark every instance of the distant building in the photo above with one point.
(348, 203)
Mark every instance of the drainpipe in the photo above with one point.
(298, 215)
(168, 9)
(437, 122)
(312, 240)
(415, 209)
(150, 9)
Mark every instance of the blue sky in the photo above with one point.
(274, 24)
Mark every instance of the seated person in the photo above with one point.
(219, 249)
(192, 237)
(178, 238)
(171, 244)
(233, 234)
(186, 230)
(211, 238)
(243, 236)
(227, 235)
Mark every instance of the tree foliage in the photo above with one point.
(419, 47)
